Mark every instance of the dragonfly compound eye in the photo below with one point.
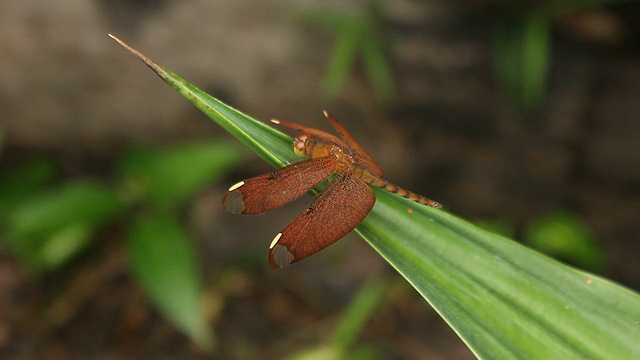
(299, 144)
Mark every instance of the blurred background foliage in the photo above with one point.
(77, 185)
(363, 36)
(51, 221)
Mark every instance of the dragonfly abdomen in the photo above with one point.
(393, 188)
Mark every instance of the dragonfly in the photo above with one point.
(340, 206)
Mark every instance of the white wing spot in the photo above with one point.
(236, 186)
(275, 240)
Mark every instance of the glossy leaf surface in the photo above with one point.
(504, 300)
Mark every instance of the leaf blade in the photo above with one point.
(488, 276)
(165, 265)
(451, 262)
(170, 176)
(49, 227)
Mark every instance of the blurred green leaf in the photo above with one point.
(563, 235)
(377, 66)
(331, 352)
(170, 176)
(166, 266)
(352, 321)
(362, 305)
(19, 181)
(49, 227)
(360, 33)
(502, 299)
(342, 59)
(522, 46)
(521, 57)
(326, 352)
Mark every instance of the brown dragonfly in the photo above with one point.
(339, 208)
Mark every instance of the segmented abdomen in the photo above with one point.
(384, 184)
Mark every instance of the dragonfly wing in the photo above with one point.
(266, 192)
(313, 132)
(337, 211)
(368, 161)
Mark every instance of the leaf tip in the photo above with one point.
(121, 42)
(155, 67)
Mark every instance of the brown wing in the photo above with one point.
(337, 211)
(266, 192)
(345, 139)
(311, 131)
(365, 158)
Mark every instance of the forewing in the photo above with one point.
(311, 131)
(337, 211)
(266, 192)
(364, 157)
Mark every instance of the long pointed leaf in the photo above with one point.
(503, 300)
(165, 264)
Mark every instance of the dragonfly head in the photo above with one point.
(300, 146)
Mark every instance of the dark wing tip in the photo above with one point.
(233, 202)
(279, 257)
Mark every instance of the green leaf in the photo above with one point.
(342, 59)
(341, 346)
(357, 33)
(170, 176)
(504, 300)
(562, 235)
(20, 181)
(269, 143)
(49, 227)
(521, 57)
(362, 305)
(377, 66)
(166, 266)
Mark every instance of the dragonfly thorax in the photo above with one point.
(307, 146)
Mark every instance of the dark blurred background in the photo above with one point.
(519, 116)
